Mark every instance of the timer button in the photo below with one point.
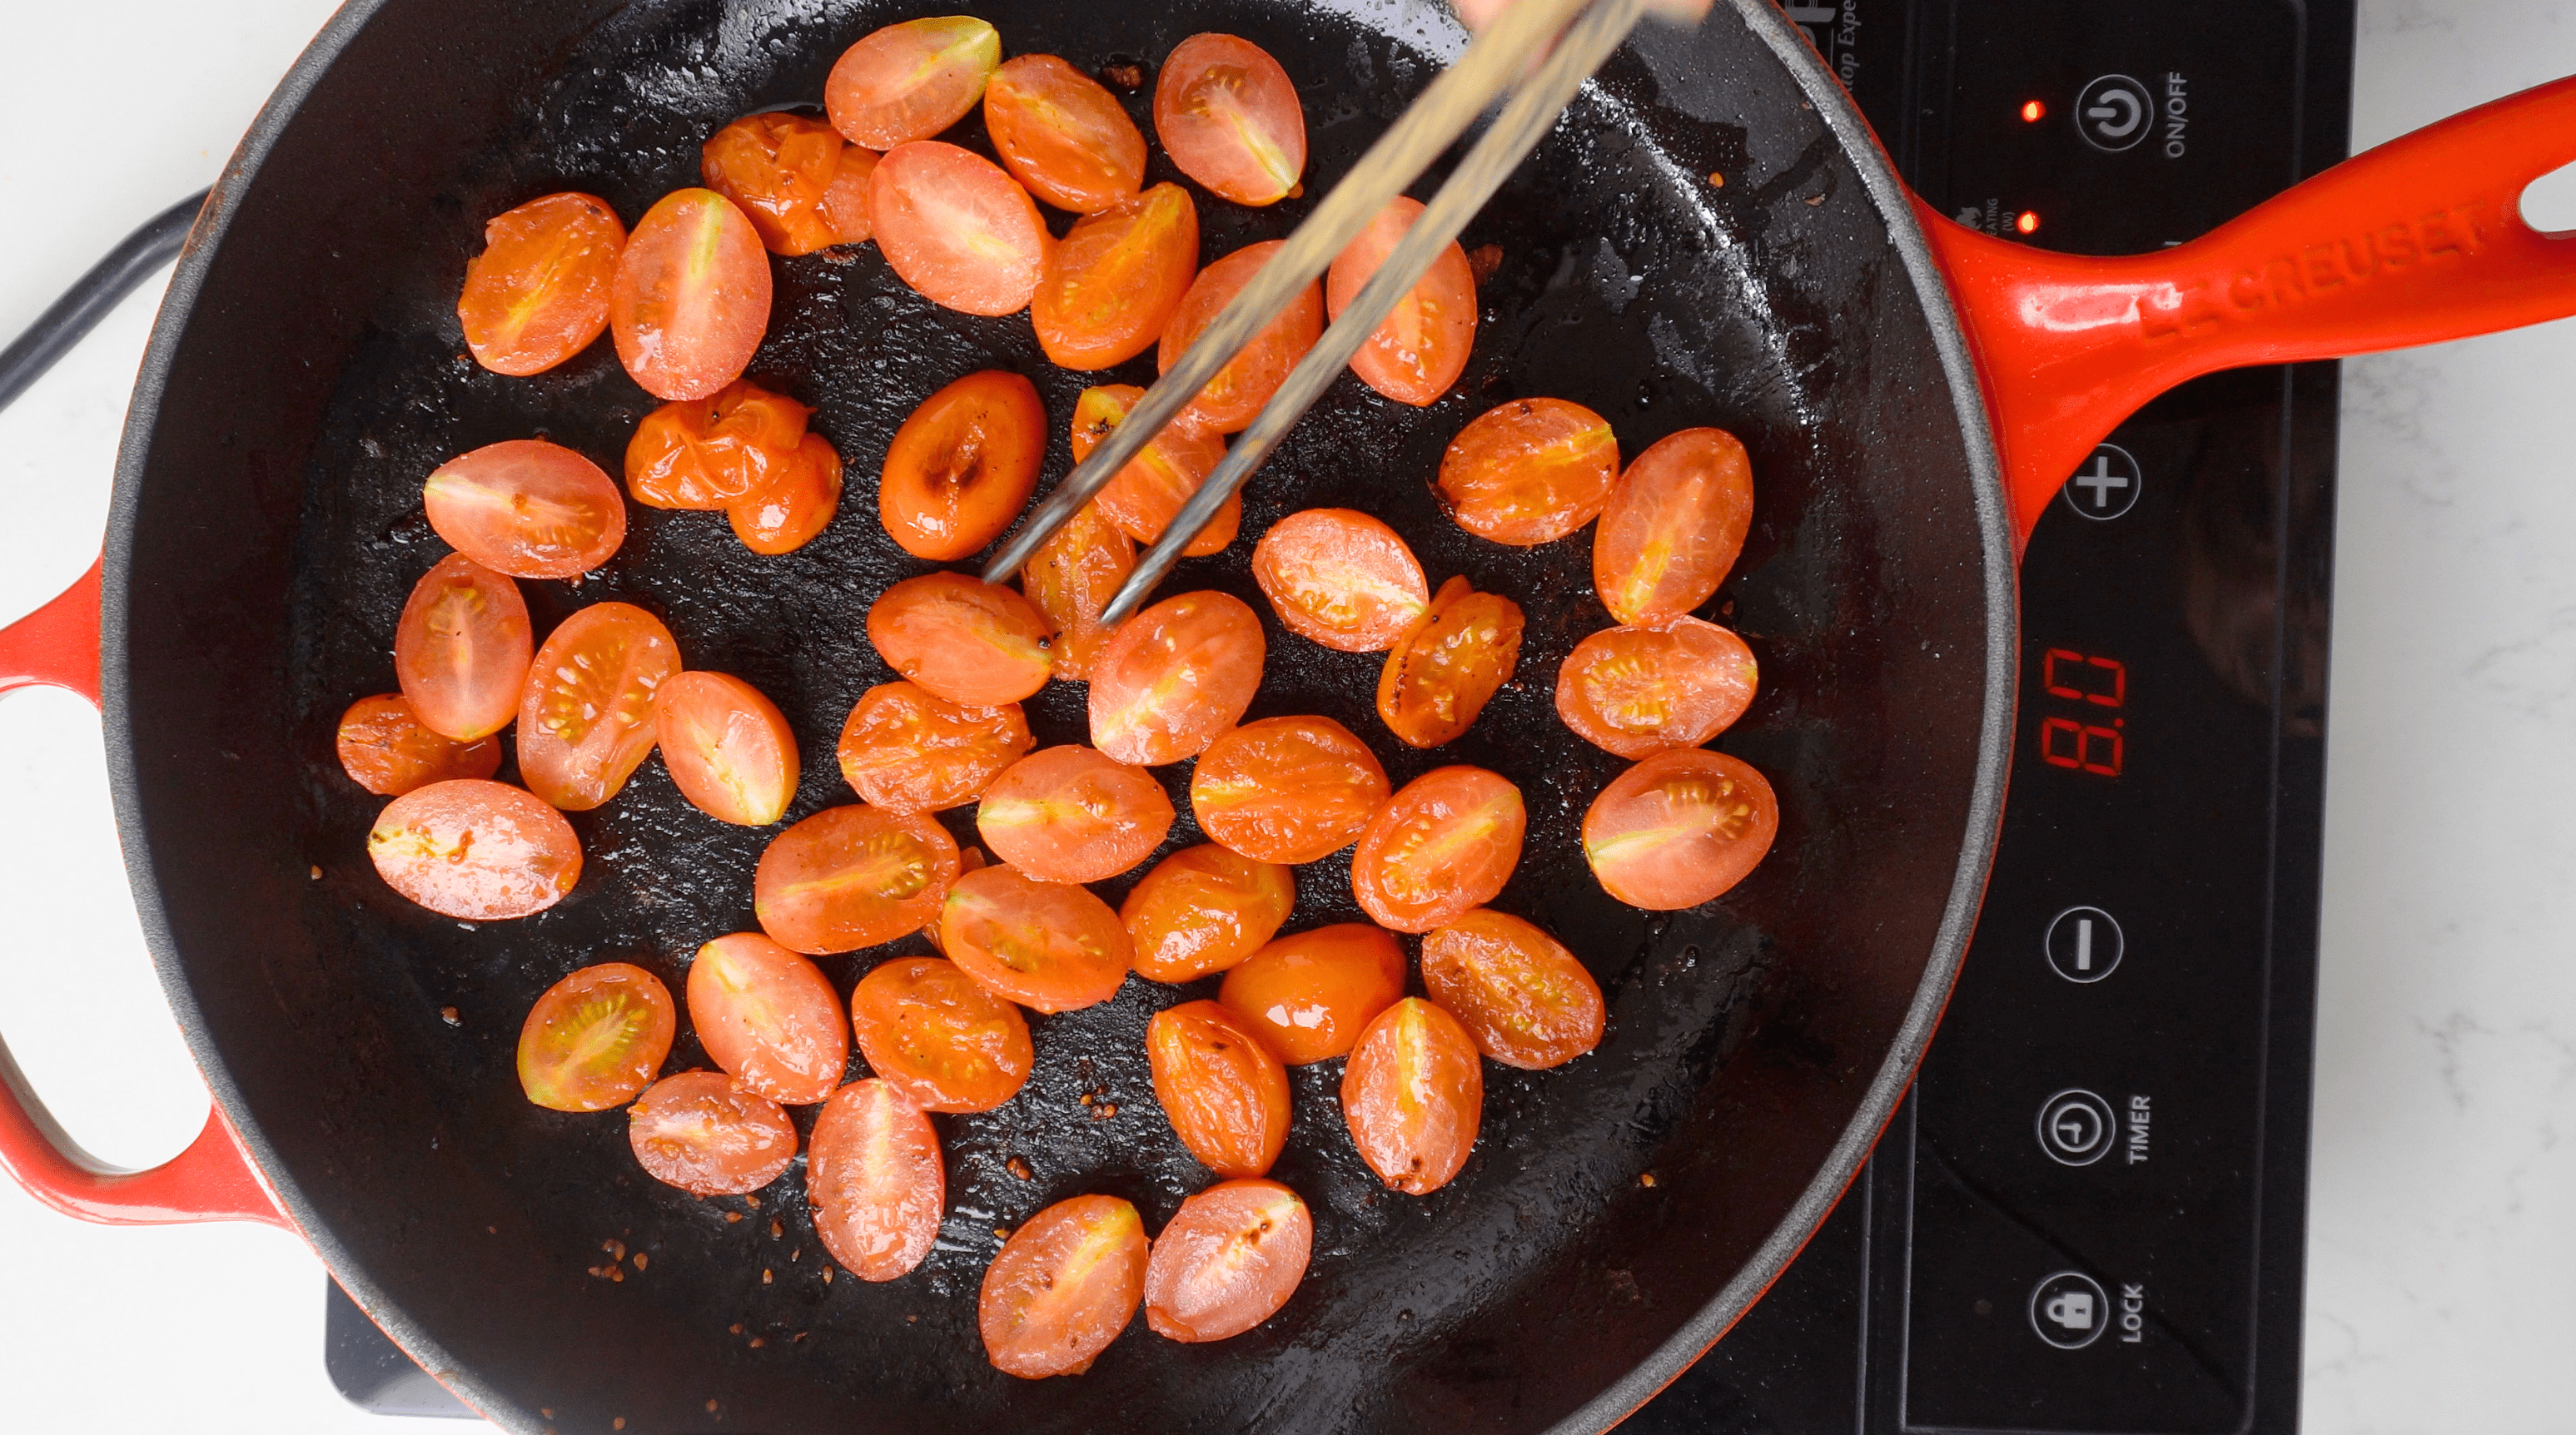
(2106, 486)
(2077, 1128)
(2084, 944)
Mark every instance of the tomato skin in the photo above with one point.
(475, 850)
(912, 80)
(905, 749)
(1116, 278)
(707, 453)
(538, 293)
(1341, 578)
(1414, 1096)
(776, 168)
(1229, 117)
(1287, 789)
(526, 508)
(1070, 579)
(1228, 1261)
(1063, 1287)
(586, 718)
(845, 202)
(796, 503)
(1673, 526)
(462, 648)
(595, 1038)
(1420, 348)
(768, 1017)
(1062, 134)
(962, 464)
(691, 297)
(729, 749)
(1073, 814)
(1449, 664)
(709, 1137)
(1679, 829)
(1530, 471)
(965, 640)
(1309, 994)
(1225, 1093)
(1640, 690)
(1204, 909)
(1234, 397)
(1142, 497)
(957, 229)
(1050, 946)
(386, 749)
(1523, 998)
(852, 877)
(1175, 676)
(875, 1181)
(938, 1037)
(1446, 843)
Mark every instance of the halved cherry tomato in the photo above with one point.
(961, 466)
(596, 1038)
(1530, 471)
(1287, 789)
(845, 203)
(691, 299)
(707, 453)
(729, 749)
(1063, 1287)
(965, 640)
(875, 1181)
(475, 850)
(851, 877)
(1442, 846)
(1231, 1256)
(538, 293)
(1229, 116)
(1062, 134)
(1234, 397)
(1420, 348)
(462, 648)
(906, 749)
(1449, 664)
(941, 1040)
(1414, 1096)
(912, 80)
(1115, 279)
(1071, 577)
(777, 167)
(956, 228)
(527, 508)
(1673, 526)
(1518, 991)
(1050, 946)
(1679, 828)
(785, 513)
(1638, 690)
(702, 1133)
(1173, 677)
(1204, 909)
(1142, 497)
(1225, 1093)
(768, 1017)
(586, 717)
(1310, 993)
(969, 859)
(1341, 578)
(1073, 814)
(386, 748)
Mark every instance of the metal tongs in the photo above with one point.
(1585, 33)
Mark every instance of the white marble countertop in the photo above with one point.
(2442, 1255)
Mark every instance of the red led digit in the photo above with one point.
(2048, 745)
(2084, 747)
(2119, 683)
(2048, 673)
(2090, 760)
(2061, 687)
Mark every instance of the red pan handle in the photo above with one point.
(57, 646)
(2415, 242)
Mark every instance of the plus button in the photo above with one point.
(2106, 486)
(2101, 480)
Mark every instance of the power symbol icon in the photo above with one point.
(2112, 113)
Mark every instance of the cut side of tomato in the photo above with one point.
(1062, 134)
(538, 293)
(702, 1133)
(906, 749)
(852, 877)
(1442, 846)
(1420, 348)
(1116, 278)
(1224, 1092)
(1071, 578)
(777, 167)
(595, 1038)
(1447, 666)
(1674, 526)
(386, 749)
(1063, 1287)
(912, 80)
(938, 1037)
(1414, 1096)
(475, 850)
(1530, 471)
(1050, 946)
(1287, 789)
(462, 648)
(1229, 116)
(1309, 994)
(786, 513)
(691, 297)
(707, 453)
(769, 1017)
(527, 508)
(965, 640)
(1520, 994)
(586, 720)
(1174, 676)
(961, 467)
(956, 228)
(875, 1181)
(1204, 909)
(1637, 691)
(1232, 399)
(1142, 497)
(1073, 814)
(729, 749)
(1341, 578)
(1228, 1261)
(1679, 829)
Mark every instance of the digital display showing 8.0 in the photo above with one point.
(2093, 740)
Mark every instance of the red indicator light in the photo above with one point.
(2033, 111)
(2026, 222)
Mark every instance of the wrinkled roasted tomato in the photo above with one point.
(852, 877)
(938, 1037)
(386, 749)
(1050, 946)
(906, 749)
(538, 293)
(1530, 471)
(778, 167)
(1287, 789)
(1639, 690)
(961, 466)
(785, 513)
(1444, 844)
(1449, 664)
(1414, 1096)
(1310, 993)
(1204, 909)
(875, 1181)
(1341, 578)
(709, 453)
(1224, 1092)
(1073, 814)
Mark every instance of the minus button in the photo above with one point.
(2084, 944)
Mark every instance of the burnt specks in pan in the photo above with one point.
(1484, 261)
(1123, 74)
